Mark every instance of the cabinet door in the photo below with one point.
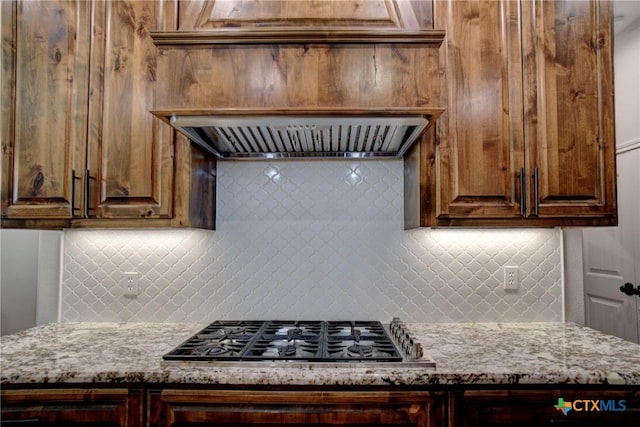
(130, 153)
(246, 407)
(44, 106)
(526, 408)
(569, 109)
(72, 407)
(480, 135)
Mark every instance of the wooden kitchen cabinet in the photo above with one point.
(72, 407)
(526, 138)
(525, 408)
(130, 151)
(458, 406)
(45, 82)
(527, 134)
(80, 147)
(171, 408)
(569, 115)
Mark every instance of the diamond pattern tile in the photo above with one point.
(314, 240)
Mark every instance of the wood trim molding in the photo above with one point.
(432, 112)
(278, 35)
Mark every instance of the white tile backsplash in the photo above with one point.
(314, 240)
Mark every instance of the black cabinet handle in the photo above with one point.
(628, 289)
(536, 191)
(523, 196)
(88, 210)
(74, 178)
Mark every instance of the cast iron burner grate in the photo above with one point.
(311, 341)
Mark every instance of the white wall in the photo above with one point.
(627, 86)
(19, 285)
(573, 276)
(49, 277)
(29, 279)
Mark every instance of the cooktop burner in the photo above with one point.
(304, 341)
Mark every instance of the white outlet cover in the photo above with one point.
(131, 284)
(510, 282)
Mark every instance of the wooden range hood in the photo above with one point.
(247, 80)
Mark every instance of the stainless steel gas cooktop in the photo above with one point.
(324, 343)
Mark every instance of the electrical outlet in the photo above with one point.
(131, 284)
(511, 278)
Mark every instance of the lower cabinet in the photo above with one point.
(442, 406)
(72, 407)
(522, 408)
(172, 408)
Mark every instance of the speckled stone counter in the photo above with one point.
(478, 354)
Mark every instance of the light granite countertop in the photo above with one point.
(465, 353)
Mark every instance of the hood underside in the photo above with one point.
(292, 136)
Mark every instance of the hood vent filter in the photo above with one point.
(300, 136)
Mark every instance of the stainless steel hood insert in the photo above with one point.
(288, 136)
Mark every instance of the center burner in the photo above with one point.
(305, 341)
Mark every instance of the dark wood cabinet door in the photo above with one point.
(528, 408)
(72, 407)
(569, 109)
(527, 137)
(172, 408)
(480, 135)
(45, 63)
(79, 145)
(130, 151)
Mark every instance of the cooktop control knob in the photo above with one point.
(411, 348)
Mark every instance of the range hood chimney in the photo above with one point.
(254, 90)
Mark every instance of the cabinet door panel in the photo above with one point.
(524, 408)
(480, 135)
(49, 105)
(243, 408)
(570, 107)
(73, 407)
(130, 152)
(197, 15)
